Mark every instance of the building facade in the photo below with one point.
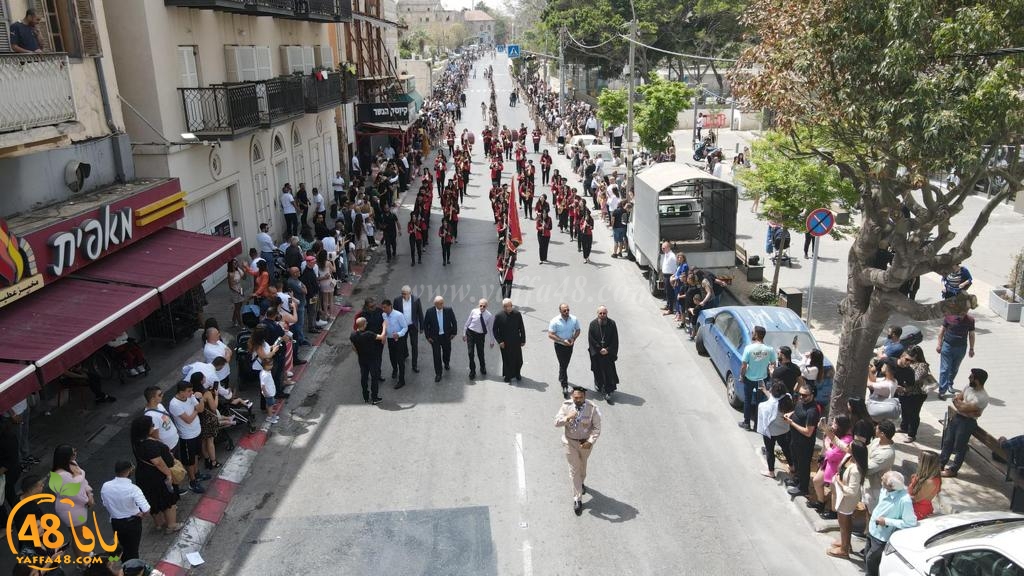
(89, 249)
(479, 25)
(234, 100)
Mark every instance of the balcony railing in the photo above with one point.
(280, 100)
(312, 10)
(322, 94)
(35, 90)
(221, 112)
(350, 85)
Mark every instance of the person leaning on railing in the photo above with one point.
(25, 34)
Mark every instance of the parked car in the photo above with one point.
(724, 332)
(605, 153)
(968, 543)
(581, 140)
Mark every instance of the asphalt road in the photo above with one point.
(469, 478)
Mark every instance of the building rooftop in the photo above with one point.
(477, 16)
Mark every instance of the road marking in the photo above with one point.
(521, 468)
(527, 559)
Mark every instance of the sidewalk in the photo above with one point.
(980, 484)
(100, 431)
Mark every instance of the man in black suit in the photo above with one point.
(439, 328)
(510, 333)
(410, 306)
(374, 323)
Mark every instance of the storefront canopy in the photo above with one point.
(16, 381)
(171, 261)
(53, 329)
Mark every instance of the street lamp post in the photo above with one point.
(629, 105)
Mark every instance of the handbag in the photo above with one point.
(177, 472)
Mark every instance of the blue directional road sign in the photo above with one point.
(513, 50)
(820, 222)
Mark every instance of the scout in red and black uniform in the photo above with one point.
(444, 232)
(562, 208)
(506, 140)
(587, 234)
(545, 168)
(527, 199)
(415, 238)
(573, 206)
(522, 134)
(530, 172)
(520, 159)
(487, 140)
(543, 235)
(496, 168)
(506, 271)
(439, 170)
(542, 207)
(536, 139)
(450, 140)
(465, 167)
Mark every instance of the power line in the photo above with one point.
(692, 56)
(586, 46)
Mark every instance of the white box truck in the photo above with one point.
(687, 207)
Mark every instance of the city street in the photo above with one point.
(469, 477)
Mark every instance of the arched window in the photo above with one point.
(296, 137)
(256, 152)
(278, 144)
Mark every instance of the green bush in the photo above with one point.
(763, 294)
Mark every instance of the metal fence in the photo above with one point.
(322, 94)
(280, 100)
(221, 111)
(35, 90)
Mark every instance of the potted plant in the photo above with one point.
(1007, 301)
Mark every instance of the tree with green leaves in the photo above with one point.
(655, 116)
(895, 93)
(788, 186)
(612, 107)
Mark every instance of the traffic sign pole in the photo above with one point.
(814, 272)
(819, 223)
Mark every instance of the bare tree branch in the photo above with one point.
(922, 312)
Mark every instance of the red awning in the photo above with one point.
(66, 322)
(17, 381)
(172, 261)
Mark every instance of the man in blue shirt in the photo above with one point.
(956, 282)
(563, 331)
(895, 511)
(757, 357)
(25, 35)
(397, 328)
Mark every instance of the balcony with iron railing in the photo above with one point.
(311, 10)
(221, 112)
(35, 90)
(280, 99)
(322, 95)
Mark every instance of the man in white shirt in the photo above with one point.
(338, 184)
(700, 125)
(969, 406)
(216, 348)
(319, 205)
(389, 152)
(126, 505)
(479, 325)
(613, 198)
(264, 243)
(207, 370)
(354, 166)
(668, 268)
(291, 218)
(592, 124)
(161, 418)
(617, 138)
(185, 408)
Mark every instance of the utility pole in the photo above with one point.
(629, 107)
(561, 72)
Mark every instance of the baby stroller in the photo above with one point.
(242, 415)
(780, 238)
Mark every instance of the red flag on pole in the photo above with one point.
(514, 235)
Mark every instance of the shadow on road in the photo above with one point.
(608, 508)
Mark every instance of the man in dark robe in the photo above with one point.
(603, 338)
(510, 333)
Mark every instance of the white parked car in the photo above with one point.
(581, 140)
(968, 544)
(605, 153)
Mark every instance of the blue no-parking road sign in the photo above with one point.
(513, 50)
(820, 222)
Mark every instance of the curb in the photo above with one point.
(209, 511)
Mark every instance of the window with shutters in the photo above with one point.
(68, 26)
(5, 30)
(247, 63)
(188, 69)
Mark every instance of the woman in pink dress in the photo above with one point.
(837, 437)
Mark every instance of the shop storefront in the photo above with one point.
(74, 276)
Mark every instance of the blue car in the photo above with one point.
(724, 332)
